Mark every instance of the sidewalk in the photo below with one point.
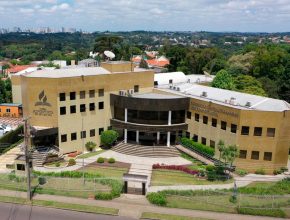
(133, 206)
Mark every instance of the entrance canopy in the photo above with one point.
(135, 178)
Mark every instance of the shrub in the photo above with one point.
(260, 171)
(241, 172)
(197, 146)
(262, 212)
(57, 164)
(71, 162)
(176, 167)
(284, 169)
(90, 146)
(109, 137)
(210, 167)
(276, 172)
(111, 160)
(100, 160)
(158, 198)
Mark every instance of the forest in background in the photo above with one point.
(252, 67)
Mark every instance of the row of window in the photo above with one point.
(73, 108)
(203, 140)
(83, 134)
(72, 95)
(245, 130)
(7, 110)
(255, 155)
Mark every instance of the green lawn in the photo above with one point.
(162, 177)
(60, 205)
(91, 154)
(106, 171)
(158, 216)
(74, 187)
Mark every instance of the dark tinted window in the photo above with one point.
(101, 92)
(203, 140)
(243, 154)
(83, 134)
(196, 117)
(73, 109)
(62, 110)
(82, 107)
(212, 143)
(205, 119)
(101, 130)
(136, 88)
(258, 131)
(92, 93)
(268, 156)
(101, 105)
(255, 155)
(214, 122)
(92, 106)
(92, 133)
(73, 136)
(63, 138)
(223, 125)
(245, 130)
(233, 128)
(195, 138)
(72, 95)
(188, 115)
(61, 96)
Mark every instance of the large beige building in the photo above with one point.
(69, 107)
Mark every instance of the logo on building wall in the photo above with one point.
(42, 100)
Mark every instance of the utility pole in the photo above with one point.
(83, 139)
(27, 156)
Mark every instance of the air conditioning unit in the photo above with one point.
(131, 91)
(177, 88)
(204, 94)
(171, 87)
(248, 104)
(233, 101)
(188, 80)
(122, 92)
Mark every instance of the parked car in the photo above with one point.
(5, 128)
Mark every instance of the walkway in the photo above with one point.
(8, 158)
(133, 206)
(140, 169)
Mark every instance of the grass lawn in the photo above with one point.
(60, 205)
(157, 216)
(162, 177)
(57, 186)
(91, 154)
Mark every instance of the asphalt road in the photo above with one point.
(23, 212)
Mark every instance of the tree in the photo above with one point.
(232, 154)
(221, 147)
(223, 80)
(106, 43)
(90, 146)
(249, 84)
(109, 137)
(143, 64)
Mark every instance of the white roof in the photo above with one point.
(74, 72)
(176, 77)
(197, 78)
(223, 97)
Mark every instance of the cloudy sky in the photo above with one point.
(175, 15)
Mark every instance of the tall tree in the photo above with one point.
(223, 80)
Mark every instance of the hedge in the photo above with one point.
(158, 198)
(197, 146)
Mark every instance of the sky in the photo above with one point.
(149, 15)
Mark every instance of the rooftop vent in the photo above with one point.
(122, 92)
(170, 87)
(177, 89)
(233, 101)
(204, 94)
(188, 80)
(248, 104)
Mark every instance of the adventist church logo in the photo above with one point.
(42, 100)
(42, 103)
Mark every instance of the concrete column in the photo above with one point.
(169, 117)
(125, 136)
(137, 136)
(158, 137)
(126, 115)
(168, 139)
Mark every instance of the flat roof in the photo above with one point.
(73, 72)
(223, 97)
(152, 95)
(11, 104)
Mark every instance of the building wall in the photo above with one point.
(49, 116)
(10, 111)
(16, 89)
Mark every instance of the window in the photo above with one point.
(170, 81)
(136, 88)
(203, 140)
(82, 107)
(270, 132)
(195, 138)
(212, 143)
(92, 106)
(82, 94)
(63, 138)
(196, 116)
(101, 130)
(92, 133)
(245, 130)
(101, 92)
(189, 115)
(101, 105)
(20, 167)
(205, 119)
(72, 96)
(258, 131)
(7, 110)
(255, 155)
(214, 122)
(223, 125)
(243, 154)
(155, 83)
(73, 136)
(62, 110)
(92, 93)
(83, 134)
(187, 134)
(233, 128)
(62, 97)
(73, 109)
(268, 156)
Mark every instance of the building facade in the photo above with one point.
(74, 106)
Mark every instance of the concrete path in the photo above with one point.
(140, 169)
(8, 158)
(133, 206)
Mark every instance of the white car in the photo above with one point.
(5, 128)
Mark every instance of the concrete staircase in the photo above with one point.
(40, 154)
(146, 151)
